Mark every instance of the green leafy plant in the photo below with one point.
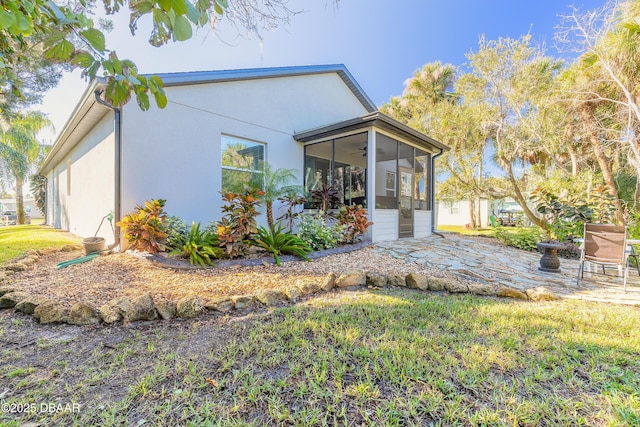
(38, 187)
(602, 203)
(566, 215)
(523, 238)
(278, 242)
(291, 200)
(146, 228)
(275, 183)
(177, 232)
(355, 222)
(201, 246)
(238, 225)
(317, 232)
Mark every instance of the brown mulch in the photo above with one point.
(130, 275)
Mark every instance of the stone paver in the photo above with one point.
(497, 263)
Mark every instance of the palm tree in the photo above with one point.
(275, 183)
(19, 151)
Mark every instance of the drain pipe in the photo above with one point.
(118, 163)
(432, 193)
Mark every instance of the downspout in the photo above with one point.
(432, 193)
(118, 163)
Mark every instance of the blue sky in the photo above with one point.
(381, 42)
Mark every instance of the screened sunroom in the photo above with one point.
(379, 163)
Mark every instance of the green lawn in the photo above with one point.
(391, 357)
(15, 240)
(465, 231)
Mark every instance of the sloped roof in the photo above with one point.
(217, 76)
(88, 111)
(376, 119)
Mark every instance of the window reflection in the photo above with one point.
(340, 163)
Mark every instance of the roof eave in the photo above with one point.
(87, 101)
(375, 119)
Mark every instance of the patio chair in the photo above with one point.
(604, 244)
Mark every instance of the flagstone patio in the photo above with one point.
(486, 260)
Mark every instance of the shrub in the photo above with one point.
(568, 214)
(177, 232)
(314, 230)
(325, 198)
(524, 238)
(291, 200)
(238, 225)
(201, 247)
(39, 190)
(355, 222)
(146, 228)
(278, 242)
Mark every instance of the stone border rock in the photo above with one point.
(145, 307)
(31, 257)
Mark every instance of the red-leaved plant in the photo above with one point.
(239, 225)
(355, 221)
(146, 229)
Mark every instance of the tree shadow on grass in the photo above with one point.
(392, 356)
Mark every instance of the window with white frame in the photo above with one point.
(242, 163)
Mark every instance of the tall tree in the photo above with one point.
(275, 183)
(70, 36)
(512, 80)
(37, 75)
(609, 41)
(19, 151)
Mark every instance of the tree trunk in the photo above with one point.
(607, 174)
(519, 197)
(574, 159)
(22, 217)
(472, 213)
(269, 213)
(478, 200)
(603, 161)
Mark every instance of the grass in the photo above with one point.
(17, 239)
(488, 231)
(392, 357)
(461, 229)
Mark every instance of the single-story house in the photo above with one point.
(216, 131)
(458, 212)
(29, 206)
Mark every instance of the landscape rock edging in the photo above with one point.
(145, 307)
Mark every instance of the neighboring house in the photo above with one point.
(458, 213)
(29, 207)
(215, 132)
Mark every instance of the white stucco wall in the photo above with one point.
(457, 213)
(422, 224)
(385, 225)
(175, 153)
(79, 205)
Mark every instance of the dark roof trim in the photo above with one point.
(201, 77)
(376, 119)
